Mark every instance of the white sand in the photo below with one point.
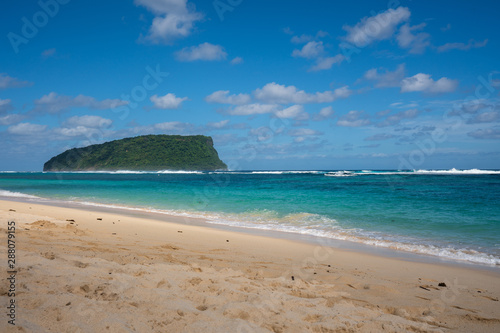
(129, 274)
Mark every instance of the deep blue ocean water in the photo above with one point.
(452, 214)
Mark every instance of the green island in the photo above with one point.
(142, 153)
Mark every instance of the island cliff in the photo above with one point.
(145, 153)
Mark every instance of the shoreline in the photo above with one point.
(347, 245)
(149, 274)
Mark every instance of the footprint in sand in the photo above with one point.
(80, 264)
(43, 224)
(49, 255)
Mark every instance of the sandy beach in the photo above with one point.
(88, 271)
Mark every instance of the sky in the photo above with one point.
(279, 85)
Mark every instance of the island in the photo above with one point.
(142, 153)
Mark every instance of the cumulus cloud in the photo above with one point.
(26, 129)
(174, 19)
(172, 126)
(169, 101)
(324, 113)
(471, 106)
(252, 109)
(218, 125)
(237, 61)
(327, 63)
(291, 112)
(11, 82)
(301, 39)
(223, 97)
(315, 50)
(397, 117)
(424, 83)
(472, 44)
(416, 43)
(310, 51)
(78, 131)
(204, 51)
(386, 78)
(486, 134)
(485, 117)
(303, 132)
(87, 121)
(377, 27)
(54, 103)
(10, 119)
(354, 119)
(294, 111)
(277, 93)
(5, 105)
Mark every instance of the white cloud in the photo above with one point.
(303, 132)
(327, 63)
(486, 134)
(377, 27)
(11, 82)
(424, 82)
(82, 131)
(169, 101)
(237, 60)
(174, 19)
(170, 126)
(251, 109)
(26, 129)
(462, 46)
(218, 125)
(5, 105)
(485, 117)
(277, 93)
(310, 51)
(354, 119)
(290, 112)
(386, 78)
(324, 113)
(205, 51)
(53, 103)
(10, 119)
(301, 39)
(223, 97)
(397, 117)
(87, 121)
(415, 42)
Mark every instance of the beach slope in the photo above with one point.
(88, 271)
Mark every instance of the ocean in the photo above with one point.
(451, 214)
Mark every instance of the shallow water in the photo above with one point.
(452, 214)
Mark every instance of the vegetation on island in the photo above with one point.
(144, 153)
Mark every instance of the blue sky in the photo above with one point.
(277, 84)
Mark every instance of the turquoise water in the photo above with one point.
(453, 214)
